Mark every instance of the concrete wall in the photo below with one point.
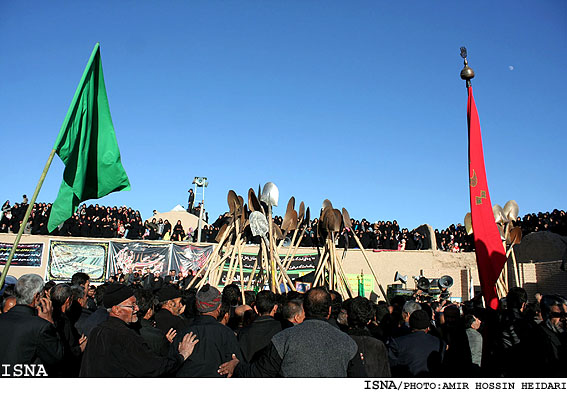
(542, 276)
(433, 263)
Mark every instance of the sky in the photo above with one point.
(359, 102)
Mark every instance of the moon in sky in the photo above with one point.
(511, 68)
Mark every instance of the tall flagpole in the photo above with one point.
(26, 218)
(490, 254)
(467, 73)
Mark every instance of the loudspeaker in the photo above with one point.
(434, 287)
(401, 278)
(423, 284)
(445, 282)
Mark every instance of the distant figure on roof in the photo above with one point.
(191, 201)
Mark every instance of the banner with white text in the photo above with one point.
(27, 255)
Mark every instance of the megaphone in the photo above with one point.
(445, 282)
(401, 278)
(434, 287)
(423, 284)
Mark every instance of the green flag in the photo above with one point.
(87, 146)
(361, 285)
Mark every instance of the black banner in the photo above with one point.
(137, 255)
(189, 257)
(27, 255)
(300, 265)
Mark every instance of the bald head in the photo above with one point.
(8, 303)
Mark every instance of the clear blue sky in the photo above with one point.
(359, 102)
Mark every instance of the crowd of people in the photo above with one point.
(153, 328)
(122, 222)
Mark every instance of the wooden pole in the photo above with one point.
(322, 264)
(265, 264)
(516, 268)
(319, 265)
(285, 276)
(233, 263)
(241, 273)
(370, 266)
(212, 257)
(287, 261)
(505, 269)
(259, 256)
(290, 245)
(343, 275)
(26, 218)
(272, 267)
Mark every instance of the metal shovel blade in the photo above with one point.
(498, 214)
(232, 200)
(301, 213)
(278, 235)
(468, 223)
(270, 194)
(290, 220)
(511, 210)
(335, 219)
(515, 236)
(258, 224)
(290, 205)
(346, 219)
(253, 202)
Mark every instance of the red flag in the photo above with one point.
(490, 255)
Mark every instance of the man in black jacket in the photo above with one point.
(171, 308)
(216, 342)
(73, 343)
(100, 315)
(550, 344)
(257, 336)
(27, 333)
(374, 353)
(116, 350)
(154, 337)
(171, 278)
(416, 354)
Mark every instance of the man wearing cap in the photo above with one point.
(417, 354)
(116, 350)
(169, 314)
(217, 342)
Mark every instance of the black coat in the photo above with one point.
(26, 338)
(374, 353)
(416, 354)
(257, 336)
(217, 344)
(86, 326)
(115, 350)
(71, 362)
(165, 321)
(154, 337)
(550, 352)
